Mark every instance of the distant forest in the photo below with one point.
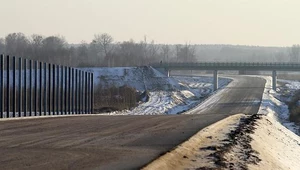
(103, 51)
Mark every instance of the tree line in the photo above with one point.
(101, 51)
(104, 51)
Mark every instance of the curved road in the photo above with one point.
(116, 142)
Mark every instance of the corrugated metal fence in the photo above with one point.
(32, 88)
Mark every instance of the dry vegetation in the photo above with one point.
(115, 98)
(294, 107)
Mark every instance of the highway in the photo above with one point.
(116, 142)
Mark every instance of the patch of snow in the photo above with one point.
(140, 78)
(278, 147)
(273, 107)
(167, 95)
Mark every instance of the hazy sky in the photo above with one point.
(248, 22)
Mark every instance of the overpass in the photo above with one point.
(216, 66)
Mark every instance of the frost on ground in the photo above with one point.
(167, 95)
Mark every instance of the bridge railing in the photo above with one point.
(33, 88)
(229, 64)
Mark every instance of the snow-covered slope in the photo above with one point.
(140, 78)
(276, 138)
(272, 106)
(167, 95)
(278, 147)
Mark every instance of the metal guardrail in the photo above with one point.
(32, 88)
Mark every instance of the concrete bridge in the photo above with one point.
(216, 66)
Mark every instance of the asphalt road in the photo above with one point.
(114, 142)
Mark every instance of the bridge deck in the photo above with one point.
(229, 66)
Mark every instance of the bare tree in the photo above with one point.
(36, 43)
(104, 42)
(165, 52)
(55, 48)
(186, 53)
(16, 44)
(294, 53)
(177, 50)
(2, 46)
(152, 51)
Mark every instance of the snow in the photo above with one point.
(293, 85)
(278, 147)
(140, 78)
(167, 95)
(196, 157)
(272, 106)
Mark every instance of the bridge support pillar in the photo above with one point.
(168, 73)
(215, 80)
(274, 79)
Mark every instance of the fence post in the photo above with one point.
(14, 87)
(53, 90)
(2, 86)
(45, 89)
(79, 91)
(20, 87)
(25, 88)
(49, 89)
(89, 94)
(82, 92)
(69, 90)
(41, 82)
(35, 87)
(62, 91)
(92, 91)
(8, 88)
(76, 96)
(30, 88)
(66, 80)
(57, 91)
(73, 99)
(86, 96)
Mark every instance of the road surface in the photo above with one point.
(115, 142)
